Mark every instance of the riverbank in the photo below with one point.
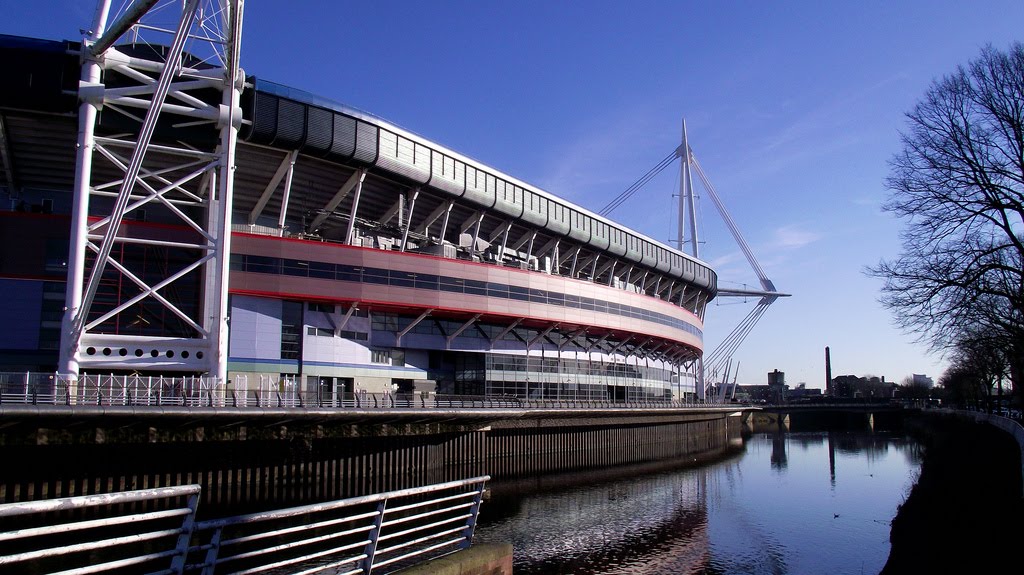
(964, 513)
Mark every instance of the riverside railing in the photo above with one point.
(95, 533)
(372, 534)
(196, 391)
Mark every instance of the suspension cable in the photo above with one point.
(657, 169)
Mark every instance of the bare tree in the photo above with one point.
(962, 386)
(959, 184)
(978, 365)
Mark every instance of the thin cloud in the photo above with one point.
(870, 201)
(828, 117)
(791, 237)
(609, 152)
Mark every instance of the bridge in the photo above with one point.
(796, 416)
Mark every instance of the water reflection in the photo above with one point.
(779, 460)
(651, 524)
(788, 503)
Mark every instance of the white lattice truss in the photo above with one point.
(150, 65)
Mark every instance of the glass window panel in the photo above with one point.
(348, 273)
(375, 276)
(321, 270)
(401, 279)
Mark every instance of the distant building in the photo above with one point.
(777, 386)
(801, 392)
(851, 386)
(752, 393)
(763, 393)
(923, 380)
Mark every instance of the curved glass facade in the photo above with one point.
(398, 278)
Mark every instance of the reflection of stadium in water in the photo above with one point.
(650, 524)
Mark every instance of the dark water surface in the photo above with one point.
(784, 503)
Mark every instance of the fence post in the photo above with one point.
(474, 511)
(185, 537)
(210, 563)
(371, 548)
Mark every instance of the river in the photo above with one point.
(781, 503)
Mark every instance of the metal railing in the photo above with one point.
(376, 533)
(367, 534)
(93, 534)
(196, 391)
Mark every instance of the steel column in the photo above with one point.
(91, 102)
(408, 219)
(350, 233)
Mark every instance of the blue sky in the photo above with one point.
(792, 108)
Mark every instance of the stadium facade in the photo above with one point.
(362, 256)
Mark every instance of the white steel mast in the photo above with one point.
(718, 359)
(687, 204)
(154, 68)
(688, 213)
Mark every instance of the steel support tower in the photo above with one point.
(162, 66)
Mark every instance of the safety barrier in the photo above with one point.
(154, 530)
(92, 533)
(198, 391)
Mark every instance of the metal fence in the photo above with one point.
(197, 391)
(372, 534)
(95, 533)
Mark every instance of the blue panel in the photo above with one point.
(19, 313)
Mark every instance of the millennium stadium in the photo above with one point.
(164, 212)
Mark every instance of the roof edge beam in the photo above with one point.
(471, 221)
(433, 217)
(616, 347)
(571, 338)
(408, 218)
(357, 177)
(505, 331)
(344, 320)
(286, 194)
(408, 328)
(523, 239)
(541, 335)
(287, 165)
(394, 209)
(448, 340)
(597, 343)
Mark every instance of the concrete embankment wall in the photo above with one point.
(519, 448)
(275, 464)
